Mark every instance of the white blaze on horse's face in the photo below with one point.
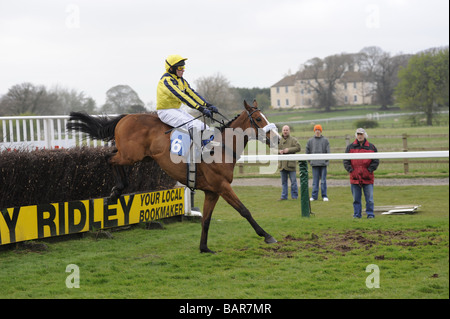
(271, 128)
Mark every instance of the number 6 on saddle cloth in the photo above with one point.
(180, 142)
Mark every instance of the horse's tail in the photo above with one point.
(100, 128)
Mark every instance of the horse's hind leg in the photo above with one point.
(232, 199)
(121, 179)
(119, 174)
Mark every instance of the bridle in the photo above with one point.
(252, 121)
(267, 128)
(255, 125)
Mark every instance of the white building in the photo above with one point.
(297, 91)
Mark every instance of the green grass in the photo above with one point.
(324, 256)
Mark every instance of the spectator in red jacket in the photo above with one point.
(361, 173)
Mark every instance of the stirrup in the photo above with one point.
(208, 146)
(210, 141)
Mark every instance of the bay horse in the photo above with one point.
(143, 135)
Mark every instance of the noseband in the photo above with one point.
(266, 128)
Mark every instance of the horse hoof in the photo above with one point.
(207, 250)
(270, 240)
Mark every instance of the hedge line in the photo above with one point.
(50, 176)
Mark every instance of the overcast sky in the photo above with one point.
(94, 45)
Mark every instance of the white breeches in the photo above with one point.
(177, 117)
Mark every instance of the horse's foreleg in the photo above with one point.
(208, 207)
(229, 195)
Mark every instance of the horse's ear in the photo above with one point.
(255, 104)
(248, 107)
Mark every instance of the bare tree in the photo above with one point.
(216, 90)
(323, 76)
(70, 100)
(382, 69)
(26, 98)
(122, 99)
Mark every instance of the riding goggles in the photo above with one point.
(181, 68)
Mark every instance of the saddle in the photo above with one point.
(183, 145)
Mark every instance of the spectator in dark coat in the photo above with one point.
(288, 145)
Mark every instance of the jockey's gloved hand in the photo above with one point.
(213, 109)
(206, 112)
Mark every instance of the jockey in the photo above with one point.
(173, 90)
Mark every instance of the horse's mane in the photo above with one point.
(224, 126)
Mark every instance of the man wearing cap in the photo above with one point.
(361, 173)
(288, 145)
(318, 144)
(173, 90)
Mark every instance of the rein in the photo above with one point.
(252, 121)
(223, 126)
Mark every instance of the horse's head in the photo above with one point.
(262, 125)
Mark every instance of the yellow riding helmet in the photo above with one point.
(172, 60)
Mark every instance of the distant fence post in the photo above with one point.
(405, 149)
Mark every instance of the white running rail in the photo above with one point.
(39, 132)
(340, 156)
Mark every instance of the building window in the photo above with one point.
(287, 89)
(355, 98)
(354, 85)
(287, 102)
(346, 99)
(278, 103)
(302, 91)
(345, 86)
(278, 90)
